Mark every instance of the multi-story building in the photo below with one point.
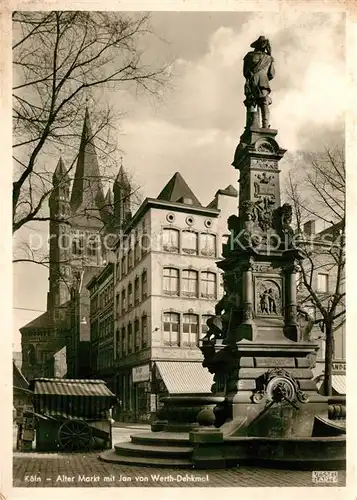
(324, 270)
(101, 289)
(166, 285)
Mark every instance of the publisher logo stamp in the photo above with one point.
(323, 477)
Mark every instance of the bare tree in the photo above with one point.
(62, 60)
(316, 190)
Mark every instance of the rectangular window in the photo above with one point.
(144, 285)
(130, 295)
(189, 330)
(189, 283)
(137, 251)
(117, 271)
(322, 282)
(171, 328)
(189, 242)
(208, 285)
(137, 335)
(208, 245)
(123, 267)
(124, 341)
(144, 331)
(130, 258)
(118, 344)
(171, 240)
(123, 302)
(130, 338)
(92, 248)
(171, 281)
(136, 291)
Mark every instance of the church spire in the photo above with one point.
(108, 202)
(87, 193)
(60, 174)
(122, 195)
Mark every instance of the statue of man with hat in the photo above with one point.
(258, 70)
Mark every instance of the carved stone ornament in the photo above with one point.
(268, 297)
(264, 164)
(278, 386)
(264, 178)
(258, 267)
(264, 209)
(265, 146)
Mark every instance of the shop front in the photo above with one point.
(141, 395)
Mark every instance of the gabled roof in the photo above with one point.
(87, 192)
(19, 381)
(42, 321)
(228, 191)
(45, 319)
(176, 190)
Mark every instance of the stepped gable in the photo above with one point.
(177, 191)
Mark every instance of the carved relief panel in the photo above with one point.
(268, 297)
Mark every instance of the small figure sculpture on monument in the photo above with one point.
(258, 70)
(264, 302)
(272, 301)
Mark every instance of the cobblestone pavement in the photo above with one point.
(57, 470)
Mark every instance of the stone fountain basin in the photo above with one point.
(312, 453)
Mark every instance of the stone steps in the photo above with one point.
(150, 450)
(156, 449)
(162, 437)
(111, 456)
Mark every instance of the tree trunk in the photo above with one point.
(328, 358)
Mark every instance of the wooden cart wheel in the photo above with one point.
(75, 435)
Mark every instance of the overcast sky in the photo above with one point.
(196, 125)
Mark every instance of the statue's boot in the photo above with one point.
(265, 115)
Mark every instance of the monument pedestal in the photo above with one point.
(261, 362)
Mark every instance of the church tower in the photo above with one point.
(122, 198)
(60, 236)
(87, 204)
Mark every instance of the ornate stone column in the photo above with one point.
(291, 328)
(247, 328)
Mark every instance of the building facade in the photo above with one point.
(166, 285)
(101, 289)
(323, 269)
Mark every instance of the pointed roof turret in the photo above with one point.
(109, 201)
(177, 191)
(60, 174)
(87, 193)
(122, 180)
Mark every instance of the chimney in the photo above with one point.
(309, 228)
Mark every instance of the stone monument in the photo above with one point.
(254, 347)
(264, 407)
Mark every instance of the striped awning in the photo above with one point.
(71, 387)
(338, 383)
(185, 377)
(72, 398)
